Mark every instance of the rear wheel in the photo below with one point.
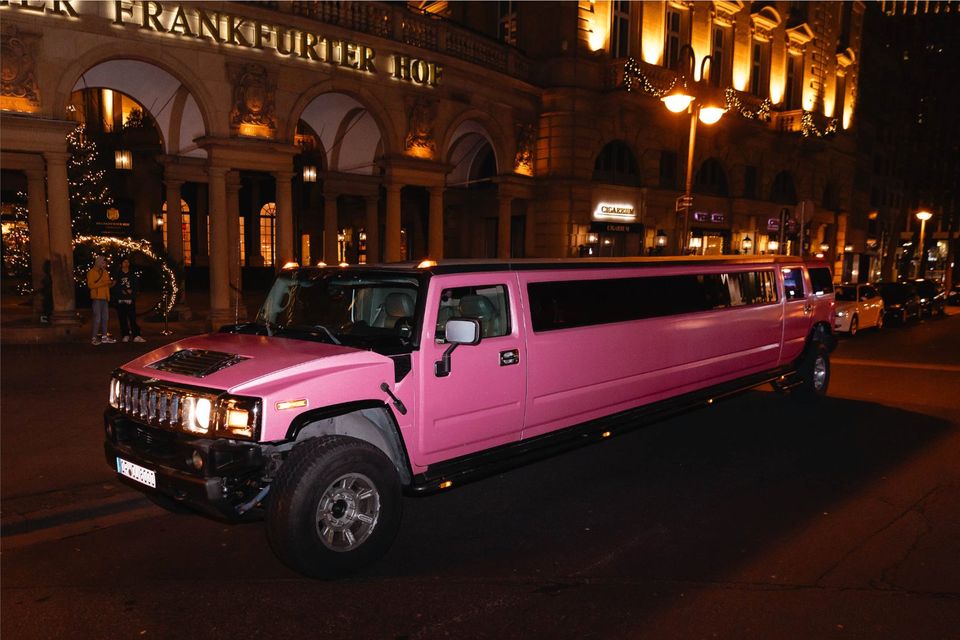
(854, 326)
(814, 370)
(335, 507)
(879, 324)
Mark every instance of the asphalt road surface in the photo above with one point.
(759, 517)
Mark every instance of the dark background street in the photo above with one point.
(760, 517)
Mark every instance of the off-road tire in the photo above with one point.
(814, 371)
(313, 472)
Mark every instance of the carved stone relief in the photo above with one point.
(20, 90)
(421, 114)
(254, 100)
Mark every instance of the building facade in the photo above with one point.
(243, 135)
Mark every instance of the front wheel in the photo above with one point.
(854, 326)
(335, 507)
(814, 370)
(879, 324)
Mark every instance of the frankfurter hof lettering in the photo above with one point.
(220, 28)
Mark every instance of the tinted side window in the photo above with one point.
(821, 280)
(579, 303)
(793, 284)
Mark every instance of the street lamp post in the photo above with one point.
(922, 216)
(700, 101)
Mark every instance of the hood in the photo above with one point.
(228, 361)
(844, 306)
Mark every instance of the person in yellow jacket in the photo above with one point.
(99, 283)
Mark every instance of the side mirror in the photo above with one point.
(458, 331)
(462, 331)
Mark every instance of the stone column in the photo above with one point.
(331, 227)
(391, 249)
(61, 239)
(503, 227)
(435, 242)
(373, 229)
(233, 243)
(39, 237)
(284, 235)
(219, 252)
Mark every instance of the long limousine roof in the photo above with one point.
(539, 264)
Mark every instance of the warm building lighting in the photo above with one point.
(661, 238)
(426, 264)
(923, 216)
(824, 247)
(592, 238)
(291, 265)
(321, 264)
(309, 173)
(696, 243)
(848, 248)
(773, 245)
(123, 159)
(746, 244)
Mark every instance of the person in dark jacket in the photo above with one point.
(127, 288)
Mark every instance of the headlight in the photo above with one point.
(114, 393)
(841, 314)
(238, 417)
(196, 414)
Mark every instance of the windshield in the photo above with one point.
(846, 294)
(371, 311)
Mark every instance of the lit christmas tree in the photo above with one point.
(89, 193)
(16, 245)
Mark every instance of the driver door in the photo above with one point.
(480, 404)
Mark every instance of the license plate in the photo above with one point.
(136, 472)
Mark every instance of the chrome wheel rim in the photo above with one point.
(348, 512)
(819, 373)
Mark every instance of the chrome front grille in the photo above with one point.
(151, 404)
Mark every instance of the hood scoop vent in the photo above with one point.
(197, 363)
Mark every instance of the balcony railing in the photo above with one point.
(398, 23)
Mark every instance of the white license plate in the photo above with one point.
(136, 472)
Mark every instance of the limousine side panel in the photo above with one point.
(583, 373)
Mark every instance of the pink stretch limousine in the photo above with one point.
(358, 383)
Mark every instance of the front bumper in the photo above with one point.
(232, 472)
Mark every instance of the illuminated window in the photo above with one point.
(243, 245)
(305, 248)
(620, 29)
(268, 225)
(185, 230)
(507, 22)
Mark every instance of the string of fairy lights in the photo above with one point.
(110, 248)
(634, 79)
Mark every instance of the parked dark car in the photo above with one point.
(954, 296)
(933, 299)
(900, 300)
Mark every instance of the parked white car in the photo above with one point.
(858, 305)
